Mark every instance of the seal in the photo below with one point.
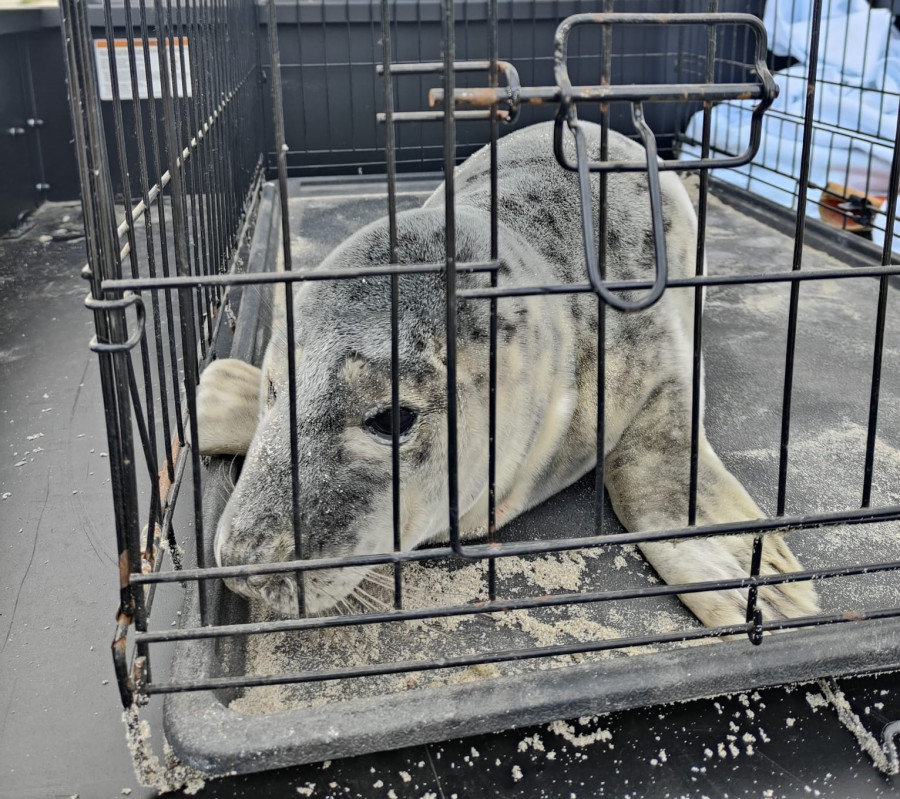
(546, 389)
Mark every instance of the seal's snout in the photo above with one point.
(244, 539)
(278, 591)
(323, 590)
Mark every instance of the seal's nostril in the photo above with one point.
(280, 593)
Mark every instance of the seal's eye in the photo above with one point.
(381, 424)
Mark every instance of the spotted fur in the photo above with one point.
(547, 378)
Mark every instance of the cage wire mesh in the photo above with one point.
(187, 173)
(205, 243)
(853, 47)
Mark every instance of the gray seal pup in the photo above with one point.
(546, 388)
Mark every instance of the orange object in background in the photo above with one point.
(849, 209)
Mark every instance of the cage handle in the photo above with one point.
(582, 167)
(764, 89)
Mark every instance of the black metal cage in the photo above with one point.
(184, 263)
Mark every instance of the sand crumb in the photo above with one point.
(569, 733)
(532, 741)
(148, 769)
(867, 742)
(815, 701)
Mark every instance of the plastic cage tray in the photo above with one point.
(226, 730)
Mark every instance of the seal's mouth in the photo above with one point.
(325, 591)
(343, 590)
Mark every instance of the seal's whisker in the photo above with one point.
(386, 581)
(378, 580)
(413, 595)
(229, 473)
(367, 603)
(224, 492)
(371, 602)
(381, 575)
(336, 601)
(428, 625)
(344, 607)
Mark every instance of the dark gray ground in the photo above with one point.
(60, 733)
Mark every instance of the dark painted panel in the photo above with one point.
(332, 91)
(17, 174)
(51, 99)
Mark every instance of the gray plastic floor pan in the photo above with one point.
(744, 335)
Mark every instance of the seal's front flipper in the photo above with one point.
(227, 407)
(647, 475)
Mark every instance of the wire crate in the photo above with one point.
(553, 614)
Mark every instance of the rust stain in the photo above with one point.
(165, 484)
(123, 620)
(466, 98)
(124, 570)
(478, 97)
(140, 667)
(854, 615)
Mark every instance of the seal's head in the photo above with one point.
(344, 418)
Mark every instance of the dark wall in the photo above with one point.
(329, 51)
(19, 173)
(36, 151)
(56, 138)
